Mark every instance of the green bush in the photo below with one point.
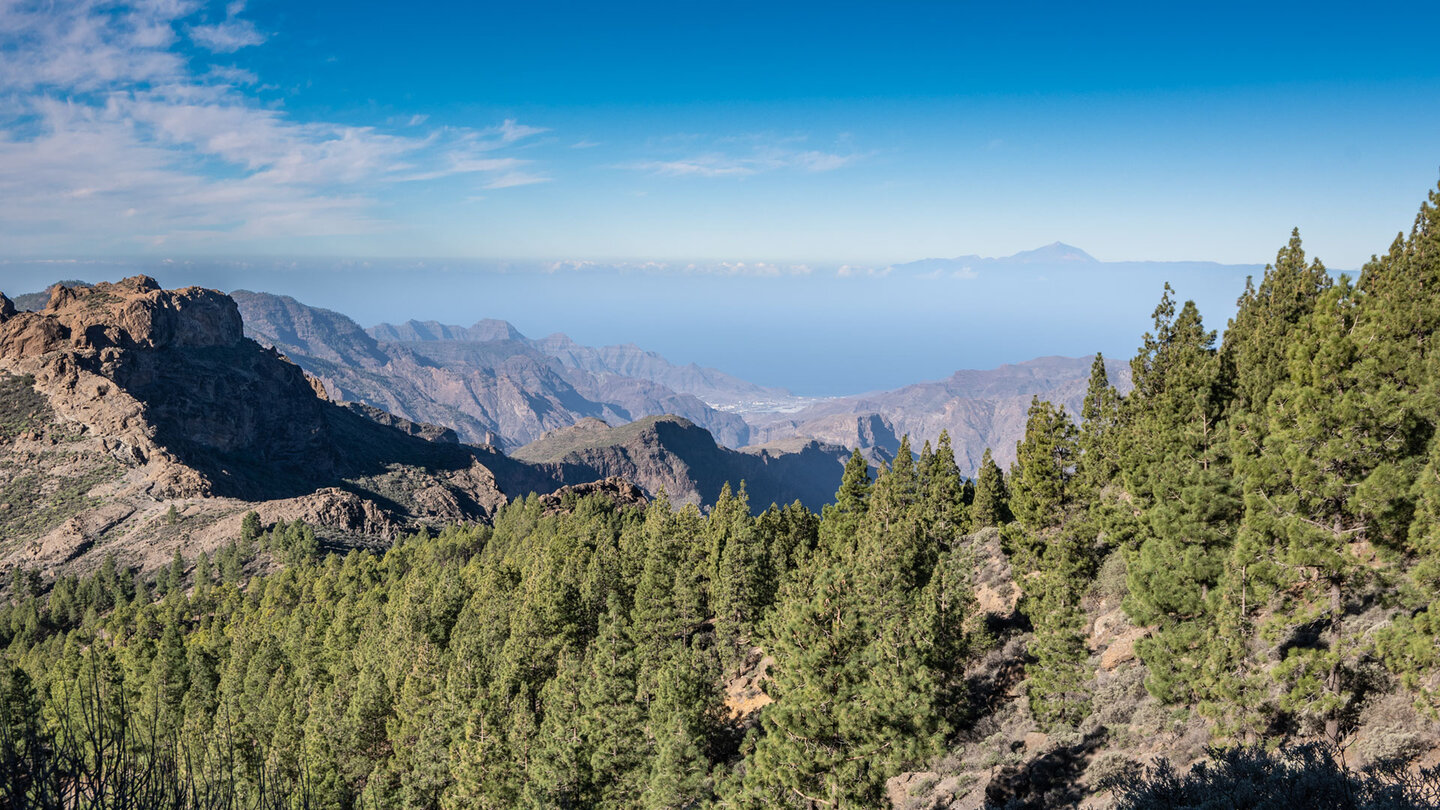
(1304, 777)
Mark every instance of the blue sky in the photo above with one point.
(791, 137)
(846, 132)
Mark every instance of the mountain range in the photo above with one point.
(979, 409)
(495, 386)
(1055, 257)
(136, 421)
(143, 398)
(487, 381)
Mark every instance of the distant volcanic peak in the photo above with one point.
(1053, 253)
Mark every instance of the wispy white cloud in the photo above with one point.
(852, 271)
(109, 138)
(231, 75)
(229, 35)
(83, 46)
(510, 131)
(226, 37)
(513, 179)
(759, 154)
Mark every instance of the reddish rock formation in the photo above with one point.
(161, 397)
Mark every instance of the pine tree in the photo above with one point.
(250, 527)
(681, 720)
(1040, 481)
(894, 551)
(1178, 468)
(558, 773)
(817, 743)
(841, 520)
(656, 619)
(1051, 546)
(1097, 463)
(739, 585)
(175, 574)
(1347, 437)
(1266, 318)
(945, 512)
(611, 722)
(992, 500)
(1056, 686)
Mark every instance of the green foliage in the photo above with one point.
(1050, 546)
(1246, 501)
(991, 506)
(1254, 778)
(576, 659)
(22, 408)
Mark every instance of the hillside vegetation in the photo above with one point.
(1243, 551)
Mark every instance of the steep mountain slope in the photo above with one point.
(674, 454)
(711, 385)
(487, 381)
(139, 421)
(980, 409)
(128, 399)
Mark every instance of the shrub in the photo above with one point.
(1306, 777)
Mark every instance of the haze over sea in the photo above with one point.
(818, 331)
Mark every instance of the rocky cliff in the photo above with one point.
(487, 381)
(979, 408)
(128, 399)
(675, 455)
(138, 421)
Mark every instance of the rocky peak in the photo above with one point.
(167, 377)
(493, 329)
(137, 313)
(7, 308)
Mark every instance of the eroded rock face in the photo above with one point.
(337, 509)
(170, 401)
(621, 491)
(169, 379)
(137, 313)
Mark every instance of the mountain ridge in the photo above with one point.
(673, 454)
(157, 424)
(487, 382)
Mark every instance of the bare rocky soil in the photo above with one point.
(1005, 761)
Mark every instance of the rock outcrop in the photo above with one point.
(674, 455)
(619, 491)
(150, 396)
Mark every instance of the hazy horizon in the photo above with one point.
(817, 330)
